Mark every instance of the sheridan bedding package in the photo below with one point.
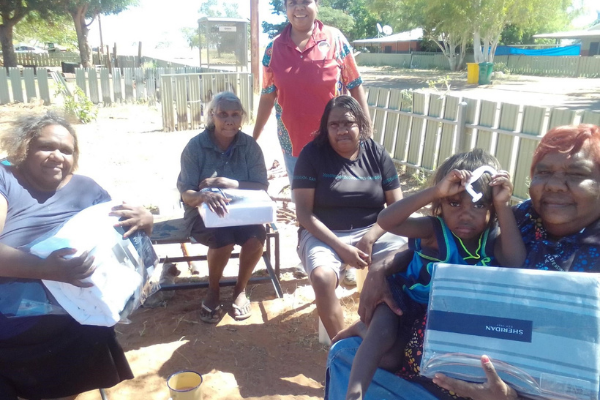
(540, 329)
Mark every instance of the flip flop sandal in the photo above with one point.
(210, 316)
(241, 313)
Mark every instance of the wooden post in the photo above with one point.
(139, 54)
(108, 61)
(254, 56)
(461, 122)
(100, 28)
(115, 55)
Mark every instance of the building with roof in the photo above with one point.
(404, 42)
(590, 39)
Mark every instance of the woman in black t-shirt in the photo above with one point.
(342, 180)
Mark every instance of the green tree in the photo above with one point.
(216, 8)
(489, 18)
(453, 24)
(365, 20)
(34, 28)
(83, 13)
(442, 22)
(210, 9)
(337, 18)
(11, 13)
(352, 17)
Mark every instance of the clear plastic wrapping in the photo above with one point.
(125, 275)
(539, 328)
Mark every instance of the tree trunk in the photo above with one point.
(82, 31)
(477, 47)
(8, 50)
(493, 46)
(463, 51)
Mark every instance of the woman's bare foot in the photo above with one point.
(356, 329)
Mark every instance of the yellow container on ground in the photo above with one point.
(472, 73)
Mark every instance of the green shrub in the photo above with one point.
(80, 106)
(501, 67)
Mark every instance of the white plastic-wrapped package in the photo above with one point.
(246, 207)
(540, 328)
(123, 267)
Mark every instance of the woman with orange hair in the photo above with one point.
(560, 226)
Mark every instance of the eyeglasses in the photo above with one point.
(342, 125)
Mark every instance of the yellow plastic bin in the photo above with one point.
(472, 73)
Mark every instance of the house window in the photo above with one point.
(388, 49)
(594, 49)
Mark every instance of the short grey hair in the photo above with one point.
(215, 103)
(16, 140)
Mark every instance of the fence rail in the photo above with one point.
(55, 60)
(422, 132)
(568, 66)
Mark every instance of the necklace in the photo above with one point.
(470, 256)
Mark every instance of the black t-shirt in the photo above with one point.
(348, 194)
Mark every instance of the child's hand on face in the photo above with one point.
(454, 182)
(502, 188)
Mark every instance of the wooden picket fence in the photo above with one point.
(182, 92)
(420, 130)
(46, 60)
(567, 66)
(186, 95)
(124, 85)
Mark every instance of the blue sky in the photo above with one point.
(154, 21)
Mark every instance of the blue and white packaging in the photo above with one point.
(541, 329)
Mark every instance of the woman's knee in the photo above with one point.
(253, 244)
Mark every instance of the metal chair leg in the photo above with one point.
(103, 394)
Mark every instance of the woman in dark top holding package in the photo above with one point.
(50, 356)
(342, 180)
(223, 157)
(560, 227)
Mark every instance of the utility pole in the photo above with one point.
(101, 41)
(254, 57)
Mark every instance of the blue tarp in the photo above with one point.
(573, 50)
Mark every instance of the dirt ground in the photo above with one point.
(275, 354)
(573, 93)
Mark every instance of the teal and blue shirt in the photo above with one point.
(415, 282)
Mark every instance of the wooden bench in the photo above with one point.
(175, 231)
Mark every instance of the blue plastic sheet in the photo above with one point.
(573, 50)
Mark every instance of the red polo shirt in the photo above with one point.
(306, 80)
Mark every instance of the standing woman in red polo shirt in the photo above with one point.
(304, 67)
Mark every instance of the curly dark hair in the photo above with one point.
(350, 104)
(16, 141)
(469, 161)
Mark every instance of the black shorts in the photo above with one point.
(215, 238)
(58, 357)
